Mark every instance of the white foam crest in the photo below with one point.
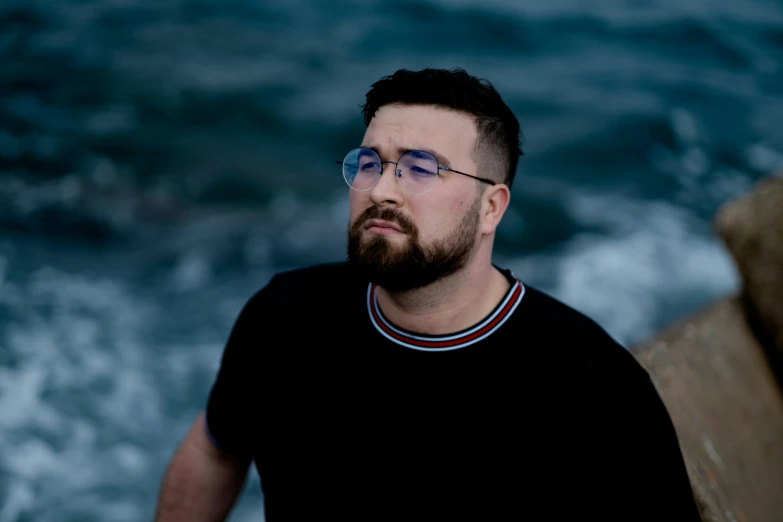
(192, 271)
(85, 427)
(686, 128)
(19, 396)
(79, 357)
(764, 158)
(18, 499)
(657, 263)
(303, 230)
(706, 184)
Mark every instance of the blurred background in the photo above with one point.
(159, 161)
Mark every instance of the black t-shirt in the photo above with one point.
(535, 413)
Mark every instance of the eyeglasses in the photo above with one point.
(416, 170)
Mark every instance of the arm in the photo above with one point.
(202, 482)
(208, 470)
(651, 480)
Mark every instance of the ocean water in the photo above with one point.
(159, 161)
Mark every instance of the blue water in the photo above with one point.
(159, 161)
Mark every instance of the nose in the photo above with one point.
(387, 192)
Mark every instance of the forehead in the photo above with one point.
(449, 132)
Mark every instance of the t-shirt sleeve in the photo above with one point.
(650, 480)
(231, 419)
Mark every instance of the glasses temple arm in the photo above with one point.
(485, 180)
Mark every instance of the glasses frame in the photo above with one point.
(382, 163)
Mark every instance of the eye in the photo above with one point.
(370, 165)
(421, 171)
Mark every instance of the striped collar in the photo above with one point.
(442, 343)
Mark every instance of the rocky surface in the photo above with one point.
(719, 371)
(728, 411)
(752, 229)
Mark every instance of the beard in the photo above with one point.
(399, 268)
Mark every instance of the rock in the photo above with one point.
(752, 229)
(720, 371)
(725, 403)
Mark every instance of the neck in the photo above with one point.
(448, 305)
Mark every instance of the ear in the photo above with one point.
(494, 203)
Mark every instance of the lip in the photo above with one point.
(381, 226)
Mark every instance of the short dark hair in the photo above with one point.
(499, 142)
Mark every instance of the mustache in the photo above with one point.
(387, 214)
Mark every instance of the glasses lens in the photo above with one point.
(361, 169)
(417, 171)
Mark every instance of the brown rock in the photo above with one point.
(752, 228)
(727, 408)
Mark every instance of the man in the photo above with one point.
(419, 381)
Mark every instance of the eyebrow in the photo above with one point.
(442, 160)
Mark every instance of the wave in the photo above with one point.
(653, 263)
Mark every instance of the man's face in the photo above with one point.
(402, 241)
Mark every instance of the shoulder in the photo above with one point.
(577, 340)
(291, 287)
(324, 277)
(593, 369)
(288, 294)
